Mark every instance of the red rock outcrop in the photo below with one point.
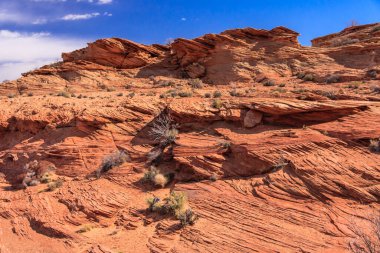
(270, 161)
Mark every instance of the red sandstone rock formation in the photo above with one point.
(272, 148)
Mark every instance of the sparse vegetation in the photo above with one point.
(344, 41)
(217, 94)
(354, 85)
(375, 89)
(175, 204)
(217, 103)
(374, 145)
(281, 85)
(308, 77)
(366, 241)
(156, 177)
(119, 94)
(30, 94)
(184, 94)
(332, 79)
(207, 95)
(11, 95)
(85, 228)
(111, 161)
(52, 186)
(269, 83)
(235, 93)
(196, 83)
(64, 94)
(164, 130)
(110, 89)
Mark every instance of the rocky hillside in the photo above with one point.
(261, 144)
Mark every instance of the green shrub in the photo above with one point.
(308, 77)
(187, 217)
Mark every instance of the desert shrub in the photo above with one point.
(154, 155)
(375, 89)
(375, 29)
(217, 103)
(163, 129)
(225, 144)
(21, 88)
(46, 178)
(281, 85)
(163, 95)
(308, 77)
(54, 185)
(372, 73)
(196, 83)
(333, 79)
(217, 94)
(235, 93)
(64, 94)
(374, 146)
(151, 94)
(213, 177)
(353, 85)
(85, 228)
(131, 95)
(30, 94)
(11, 95)
(110, 89)
(73, 95)
(207, 95)
(300, 75)
(366, 241)
(119, 94)
(187, 217)
(268, 83)
(156, 177)
(184, 94)
(175, 204)
(127, 86)
(344, 42)
(111, 161)
(300, 91)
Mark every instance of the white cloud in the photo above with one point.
(104, 1)
(73, 17)
(23, 52)
(183, 19)
(7, 16)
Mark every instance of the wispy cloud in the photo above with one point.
(26, 51)
(73, 17)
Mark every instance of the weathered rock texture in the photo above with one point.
(277, 163)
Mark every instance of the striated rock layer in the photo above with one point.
(273, 145)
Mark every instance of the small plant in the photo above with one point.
(154, 204)
(235, 93)
(30, 94)
(111, 161)
(308, 78)
(188, 217)
(131, 95)
(281, 85)
(333, 79)
(119, 94)
(375, 89)
(176, 203)
(376, 29)
(73, 95)
(127, 86)
(64, 94)
(85, 228)
(217, 94)
(184, 94)
(52, 186)
(196, 83)
(217, 104)
(374, 145)
(213, 177)
(366, 241)
(154, 176)
(353, 85)
(46, 178)
(207, 95)
(11, 95)
(164, 130)
(269, 83)
(110, 89)
(225, 144)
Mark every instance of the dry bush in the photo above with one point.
(366, 241)
(196, 83)
(163, 129)
(156, 177)
(113, 160)
(374, 146)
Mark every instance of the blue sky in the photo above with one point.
(35, 32)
